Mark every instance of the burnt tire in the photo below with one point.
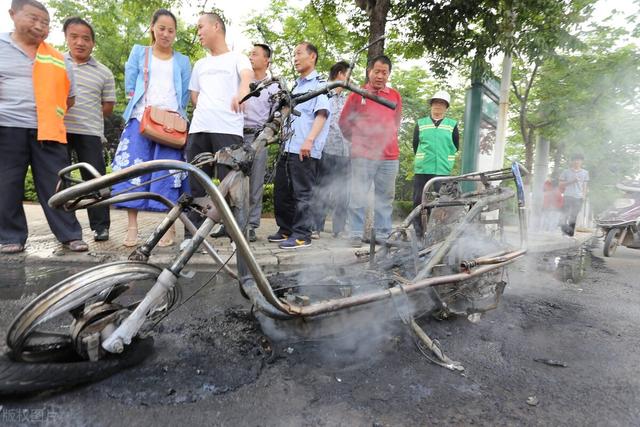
(611, 242)
(19, 378)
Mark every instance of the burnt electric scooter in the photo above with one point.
(92, 323)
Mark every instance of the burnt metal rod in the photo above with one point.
(488, 260)
(473, 176)
(357, 300)
(453, 236)
(444, 360)
(183, 217)
(208, 247)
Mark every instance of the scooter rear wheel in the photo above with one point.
(611, 242)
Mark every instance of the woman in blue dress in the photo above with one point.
(168, 88)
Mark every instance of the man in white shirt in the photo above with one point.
(218, 83)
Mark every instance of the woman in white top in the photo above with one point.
(168, 88)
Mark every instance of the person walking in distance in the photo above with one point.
(95, 99)
(574, 181)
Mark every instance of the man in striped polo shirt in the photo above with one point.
(95, 99)
(36, 87)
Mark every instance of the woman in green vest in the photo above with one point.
(435, 144)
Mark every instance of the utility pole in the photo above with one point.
(539, 177)
(505, 85)
(503, 110)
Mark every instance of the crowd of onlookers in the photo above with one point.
(339, 145)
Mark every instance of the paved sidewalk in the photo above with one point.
(43, 247)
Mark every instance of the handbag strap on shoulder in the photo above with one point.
(147, 53)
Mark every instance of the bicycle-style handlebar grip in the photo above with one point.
(383, 101)
(375, 98)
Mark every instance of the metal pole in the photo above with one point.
(503, 109)
(540, 172)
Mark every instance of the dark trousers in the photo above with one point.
(88, 148)
(19, 148)
(571, 209)
(419, 181)
(293, 193)
(332, 191)
(203, 142)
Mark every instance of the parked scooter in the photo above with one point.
(620, 222)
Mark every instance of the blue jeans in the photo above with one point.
(382, 174)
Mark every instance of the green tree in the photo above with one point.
(317, 22)
(584, 101)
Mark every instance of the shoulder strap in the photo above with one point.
(147, 52)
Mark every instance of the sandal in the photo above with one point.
(76, 246)
(167, 239)
(12, 248)
(128, 240)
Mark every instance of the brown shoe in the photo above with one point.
(12, 248)
(76, 246)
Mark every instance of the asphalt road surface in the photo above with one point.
(561, 349)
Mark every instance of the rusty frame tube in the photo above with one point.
(61, 198)
(421, 281)
(244, 251)
(497, 175)
(169, 204)
(343, 303)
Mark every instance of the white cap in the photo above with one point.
(442, 95)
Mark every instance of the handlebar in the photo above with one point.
(299, 99)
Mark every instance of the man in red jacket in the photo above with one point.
(373, 131)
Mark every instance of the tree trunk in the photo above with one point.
(377, 11)
(528, 152)
(557, 160)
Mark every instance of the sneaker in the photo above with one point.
(315, 235)
(355, 242)
(252, 235)
(220, 233)
(293, 243)
(101, 235)
(277, 237)
(566, 230)
(184, 244)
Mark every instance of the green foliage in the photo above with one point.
(317, 22)
(267, 199)
(402, 208)
(30, 188)
(452, 32)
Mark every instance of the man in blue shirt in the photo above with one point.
(296, 168)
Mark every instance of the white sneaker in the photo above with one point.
(184, 244)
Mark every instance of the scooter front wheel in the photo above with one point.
(611, 242)
(43, 330)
